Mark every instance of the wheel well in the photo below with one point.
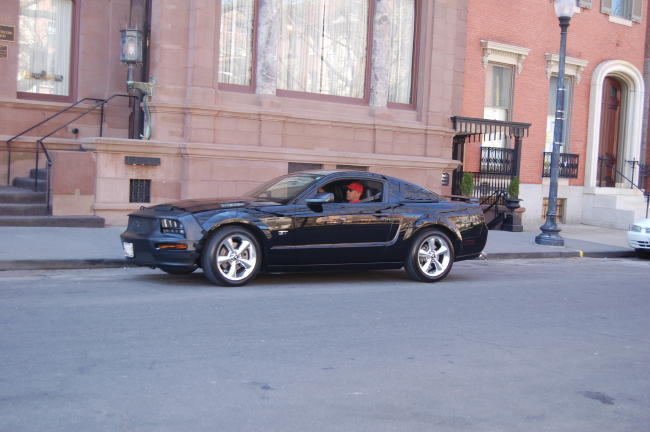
(259, 236)
(456, 242)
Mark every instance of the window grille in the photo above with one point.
(140, 191)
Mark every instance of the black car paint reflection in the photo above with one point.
(295, 234)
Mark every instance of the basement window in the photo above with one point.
(140, 191)
(560, 209)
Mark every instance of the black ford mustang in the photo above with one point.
(304, 221)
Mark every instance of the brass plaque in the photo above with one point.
(3, 51)
(7, 33)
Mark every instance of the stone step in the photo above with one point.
(41, 174)
(10, 194)
(22, 209)
(28, 183)
(53, 221)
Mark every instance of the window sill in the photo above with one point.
(620, 20)
(44, 97)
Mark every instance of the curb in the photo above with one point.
(80, 264)
(561, 254)
(70, 264)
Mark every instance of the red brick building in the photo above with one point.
(511, 65)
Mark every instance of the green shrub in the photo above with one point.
(467, 184)
(513, 188)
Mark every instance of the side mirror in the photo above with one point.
(316, 203)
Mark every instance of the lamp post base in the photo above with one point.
(549, 236)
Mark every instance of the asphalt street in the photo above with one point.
(522, 345)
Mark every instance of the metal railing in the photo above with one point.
(496, 160)
(486, 185)
(40, 145)
(603, 161)
(568, 165)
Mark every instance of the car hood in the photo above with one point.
(643, 223)
(206, 204)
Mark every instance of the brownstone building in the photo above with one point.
(244, 90)
(238, 91)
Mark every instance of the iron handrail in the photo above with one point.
(10, 140)
(498, 194)
(100, 104)
(646, 194)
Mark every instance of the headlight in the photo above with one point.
(636, 228)
(171, 226)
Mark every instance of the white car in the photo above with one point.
(638, 237)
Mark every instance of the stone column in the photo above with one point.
(267, 46)
(381, 45)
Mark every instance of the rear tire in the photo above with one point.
(430, 257)
(231, 257)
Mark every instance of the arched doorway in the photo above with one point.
(609, 154)
(616, 118)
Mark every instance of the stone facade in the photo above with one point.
(214, 140)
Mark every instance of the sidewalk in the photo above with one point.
(28, 248)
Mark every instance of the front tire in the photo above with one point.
(642, 253)
(430, 257)
(232, 257)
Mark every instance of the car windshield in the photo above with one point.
(284, 189)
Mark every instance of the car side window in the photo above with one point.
(368, 190)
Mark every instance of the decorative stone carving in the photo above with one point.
(573, 67)
(496, 52)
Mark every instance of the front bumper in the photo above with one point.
(638, 240)
(152, 248)
(147, 252)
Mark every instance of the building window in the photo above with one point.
(622, 8)
(323, 47)
(498, 99)
(625, 9)
(402, 51)
(236, 42)
(45, 47)
(550, 116)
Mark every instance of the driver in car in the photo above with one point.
(354, 192)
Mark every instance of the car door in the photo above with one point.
(342, 233)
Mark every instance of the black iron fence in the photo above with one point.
(487, 184)
(568, 165)
(495, 160)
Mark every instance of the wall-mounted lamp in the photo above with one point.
(131, 41)
(132, 54)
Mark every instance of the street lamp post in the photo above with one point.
(550, 236)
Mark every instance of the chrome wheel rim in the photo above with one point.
(434, 256)
(236, 257)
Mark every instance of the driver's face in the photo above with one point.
(352, 195)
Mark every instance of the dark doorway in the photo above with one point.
(610, 129)
(458, 153)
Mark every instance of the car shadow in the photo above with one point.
(297, 279)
